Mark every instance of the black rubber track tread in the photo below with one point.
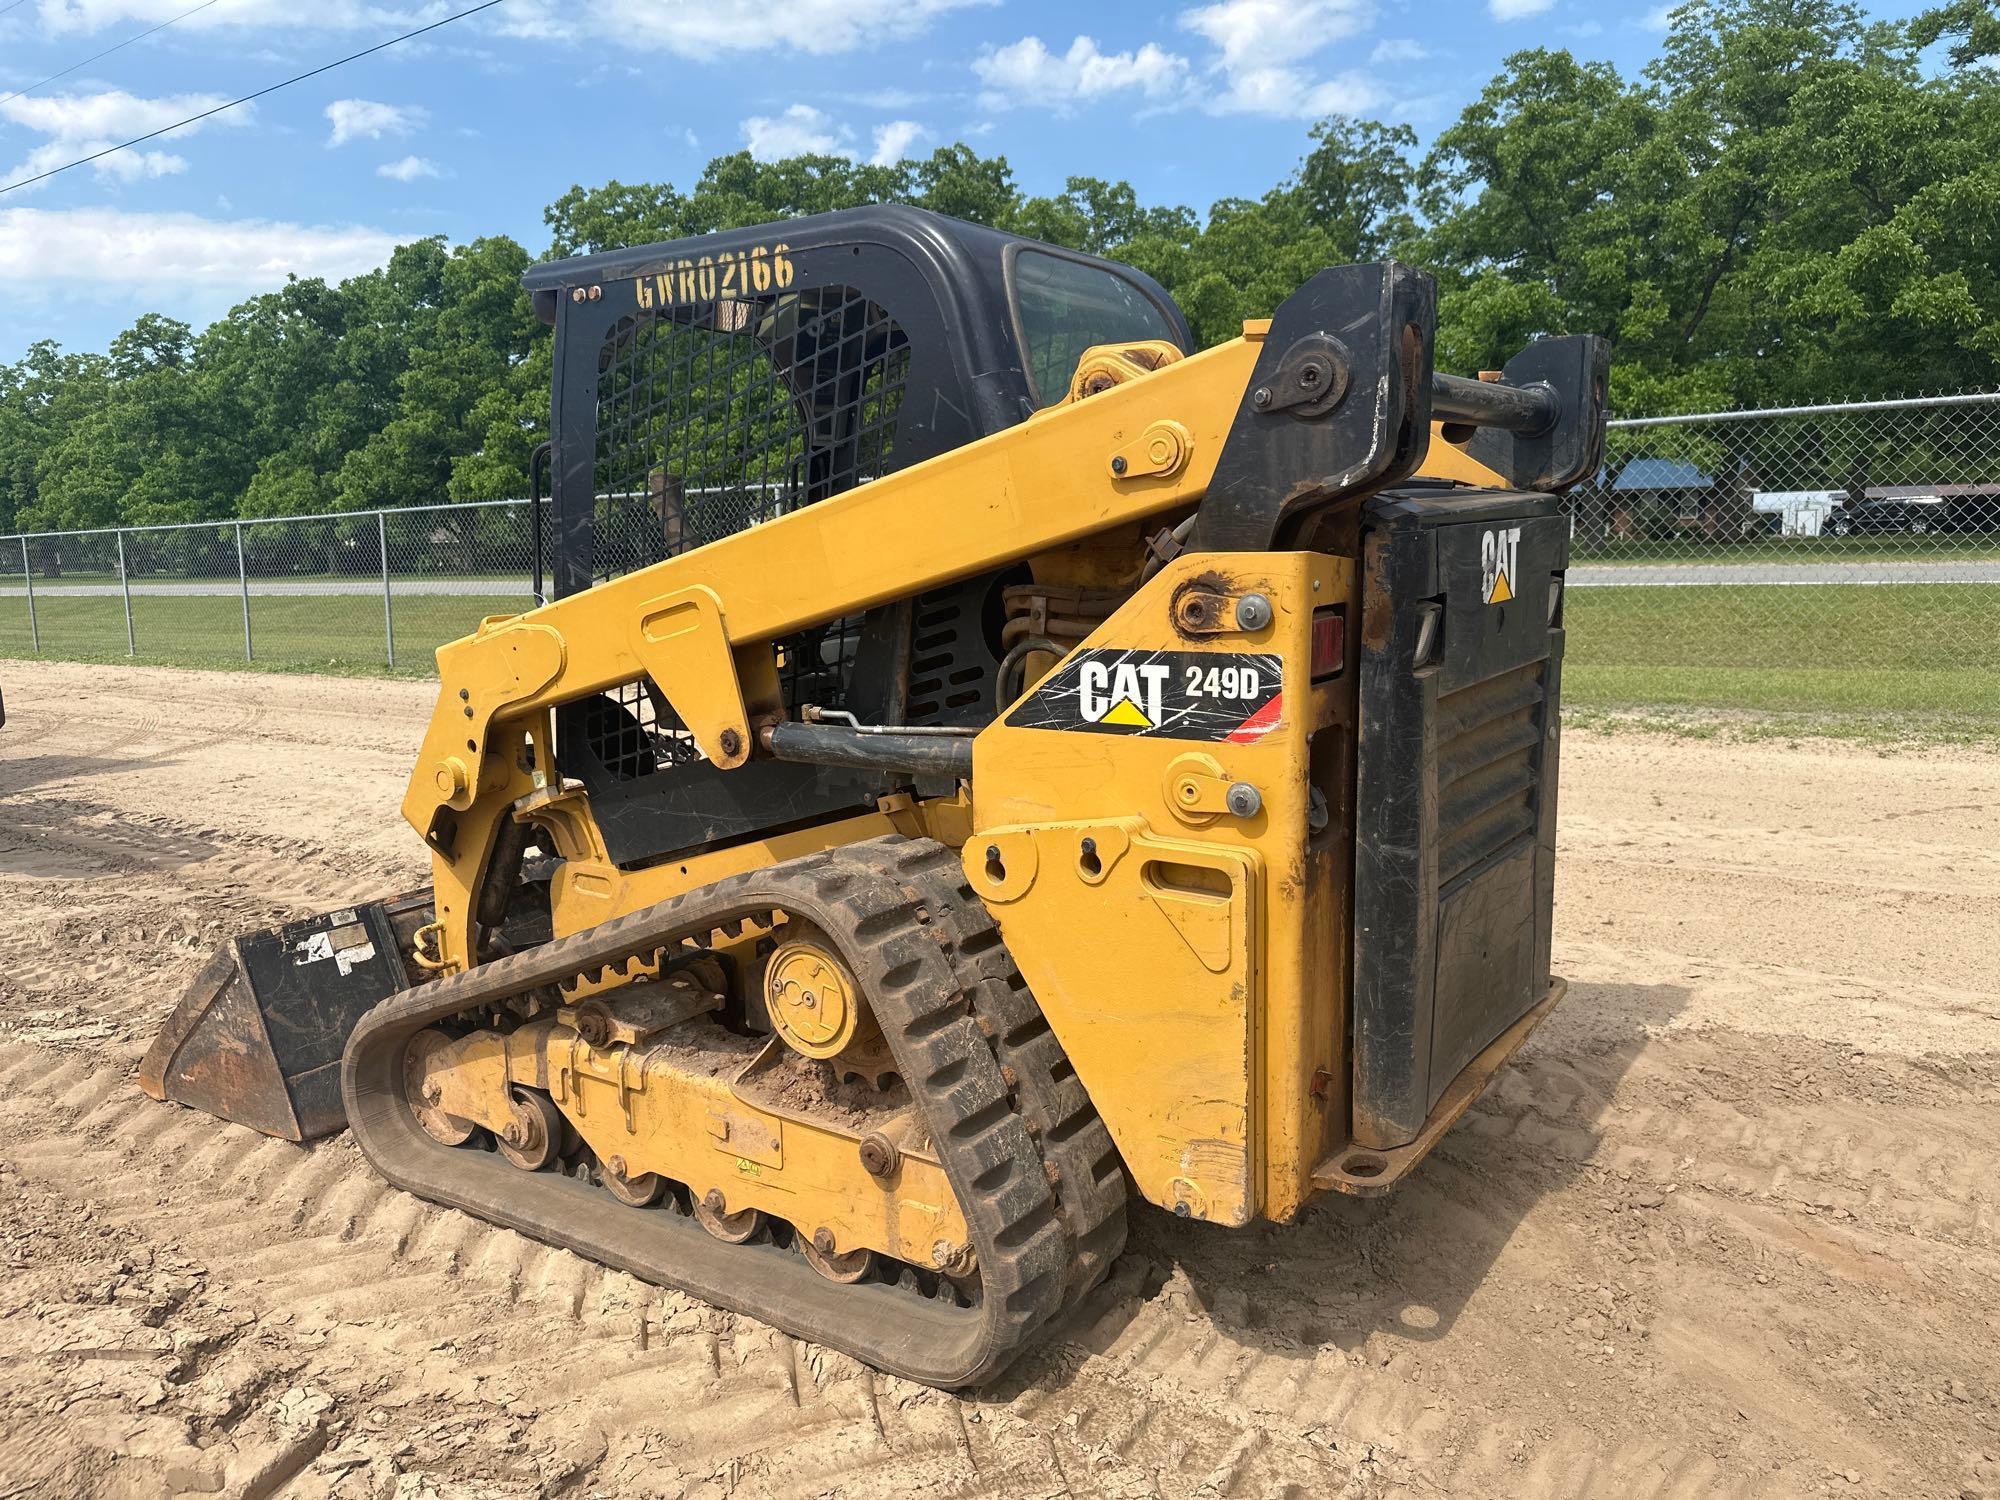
(1091, 1192)
(940, 1050)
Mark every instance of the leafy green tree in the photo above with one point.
(1785, 209)
(1790, 204)
(1974, 26)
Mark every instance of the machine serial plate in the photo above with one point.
(1178, 695)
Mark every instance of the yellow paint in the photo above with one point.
(679, 637)
(1449, 460)
(1199, 1009)
(691, 1111)
(1042, 485)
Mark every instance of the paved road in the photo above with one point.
(1588, 575)
(1682, 575)
(279, 587)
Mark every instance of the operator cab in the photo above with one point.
(703, 386)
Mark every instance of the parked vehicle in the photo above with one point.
(1910, 517)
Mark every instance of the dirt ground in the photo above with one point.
(1729, 1225)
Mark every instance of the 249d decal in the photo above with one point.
(1182, 695)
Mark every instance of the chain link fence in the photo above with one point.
(1831, 556)
(1841, 556)
(361, 591)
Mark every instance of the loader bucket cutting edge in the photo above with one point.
(258, 1034)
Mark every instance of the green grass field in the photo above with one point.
(1640, 552)
(98, 578)
(1922, 659)
(341, 633)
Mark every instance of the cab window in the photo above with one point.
(1065, 306)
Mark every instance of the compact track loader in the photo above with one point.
(983, 761)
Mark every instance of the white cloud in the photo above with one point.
(409, 169)
(1398, 49)
(803, 130)
(1517, 10)
(1291, 92)
(1583, 29)
(81, 125)
(368, 120)
(1250, 32)
(124, 255)
(1659, 16)
(798, 131)
(893, 141)
(87, 16)
(1027, 73)
(1238, 77)
(115, 113)
(703, 32)
(124, 166)
(887, 98)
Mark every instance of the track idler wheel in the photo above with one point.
(532, 1139)
(739, 1228)
(813, 998)
(437, 1123)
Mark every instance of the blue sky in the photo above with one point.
(473, 129)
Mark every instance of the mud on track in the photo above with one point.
(1730, 1225)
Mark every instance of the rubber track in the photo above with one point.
(1085, 1167)
(985, 1146)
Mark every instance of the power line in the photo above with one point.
(140, 140)
(15, 6)
(205, 4)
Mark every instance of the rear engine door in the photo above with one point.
(1460, 678)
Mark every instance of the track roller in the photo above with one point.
(820, 1254)
(641, 1190)
(738, 1228)
(533, 1139)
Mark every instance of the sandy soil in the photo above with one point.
(1730, 1225)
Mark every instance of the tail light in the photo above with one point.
(1329, 642)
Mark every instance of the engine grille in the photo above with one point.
(1489, 739)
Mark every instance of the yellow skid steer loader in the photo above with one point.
(982, 761)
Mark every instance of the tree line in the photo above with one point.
(1790, 204)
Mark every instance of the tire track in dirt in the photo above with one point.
(1870, 860)
(1829, 1135)
(1691, 1243)
(99, 894)
(1905, 1015)
(317, 1239)
(1140, 1387)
